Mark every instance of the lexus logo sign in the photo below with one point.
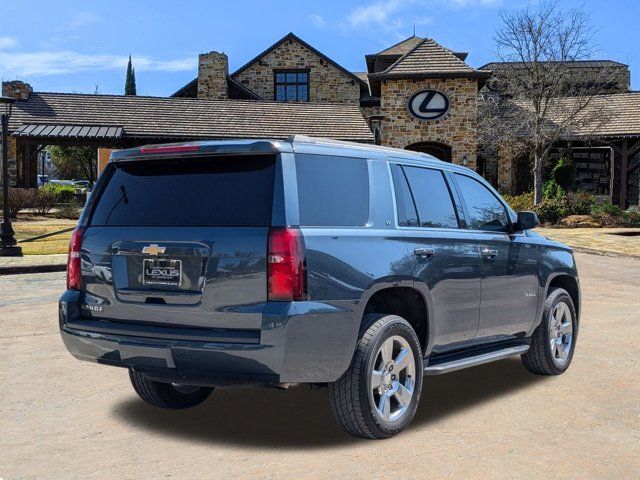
(428, 104)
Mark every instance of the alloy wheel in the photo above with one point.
(560, 333)
(393, 379)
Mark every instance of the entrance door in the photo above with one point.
(438, 150)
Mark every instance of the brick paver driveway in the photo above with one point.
(61, 418)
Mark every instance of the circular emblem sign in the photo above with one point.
(428, 104)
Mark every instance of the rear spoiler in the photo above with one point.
(227, 147)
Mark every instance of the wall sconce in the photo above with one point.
(375, 123)
(465, 160)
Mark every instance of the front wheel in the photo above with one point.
(554, 341)
(378, 395)
(167, 395)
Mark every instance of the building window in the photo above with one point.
(292, 86)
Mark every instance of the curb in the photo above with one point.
(20, 269)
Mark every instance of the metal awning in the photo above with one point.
(69, 131)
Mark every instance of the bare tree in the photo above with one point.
(537, 95)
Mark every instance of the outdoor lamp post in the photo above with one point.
(8, 242)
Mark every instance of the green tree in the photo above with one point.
(130, 82)
(75, 162)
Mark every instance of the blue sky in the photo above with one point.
(73, 45)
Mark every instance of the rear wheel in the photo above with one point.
(554, 341)
(168, 395)
(378, 395)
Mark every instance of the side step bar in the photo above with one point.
(437, 368)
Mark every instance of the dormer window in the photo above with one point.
(292, 86)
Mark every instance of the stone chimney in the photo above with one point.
(213, 68)
(16, 89)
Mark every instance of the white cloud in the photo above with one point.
(377, 13)
(317, 20)
(82, 19)
(476, 3)
(7, 43)
(391, 15)
(22, 64)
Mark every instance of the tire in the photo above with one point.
(167, 395)
(549, 353)
(354, 398)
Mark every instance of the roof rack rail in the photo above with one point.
(343, 143)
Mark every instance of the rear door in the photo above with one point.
(509, 263)
(180, 241)
(445, 258)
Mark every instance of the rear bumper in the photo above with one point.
(301, 342)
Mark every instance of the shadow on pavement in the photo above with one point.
(301, 418)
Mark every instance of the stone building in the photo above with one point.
(416, 94)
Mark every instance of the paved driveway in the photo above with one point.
(61, 418)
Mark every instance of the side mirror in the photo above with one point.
(527, 220)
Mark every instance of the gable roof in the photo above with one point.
(294, 38)
(429, 58)
(179, 118)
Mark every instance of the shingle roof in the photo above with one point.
(430, 58)
(185, 118)
(574, 64)
(402, 47)
(621, 112)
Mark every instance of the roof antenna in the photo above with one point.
(414, 29)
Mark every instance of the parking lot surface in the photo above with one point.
(61, 418)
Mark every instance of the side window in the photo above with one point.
(432, 197)
(407, 214)
(486, 212)
(332, 191)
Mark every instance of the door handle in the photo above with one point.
(489, 253)
(424, 252)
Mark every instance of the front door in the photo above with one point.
(446, 261)
(509, 264)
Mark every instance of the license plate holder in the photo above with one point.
(161, 271)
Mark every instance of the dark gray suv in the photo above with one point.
(349, 266)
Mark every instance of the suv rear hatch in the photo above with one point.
(180, 242)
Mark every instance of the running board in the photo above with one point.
(459, 363)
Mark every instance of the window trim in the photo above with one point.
(276, 71)
(445, 177)
(507, 210)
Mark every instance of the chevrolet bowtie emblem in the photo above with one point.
(153, 249)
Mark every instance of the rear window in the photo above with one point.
(332, 191)
(214, 191)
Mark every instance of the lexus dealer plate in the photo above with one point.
(162, 272)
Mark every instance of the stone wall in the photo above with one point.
(456, 129)
(213, 68)
(326, 82)
(20, 91)
(13, 169)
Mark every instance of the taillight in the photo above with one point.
(286, 273)
(74, 273)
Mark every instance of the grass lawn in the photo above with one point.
(28, 226)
